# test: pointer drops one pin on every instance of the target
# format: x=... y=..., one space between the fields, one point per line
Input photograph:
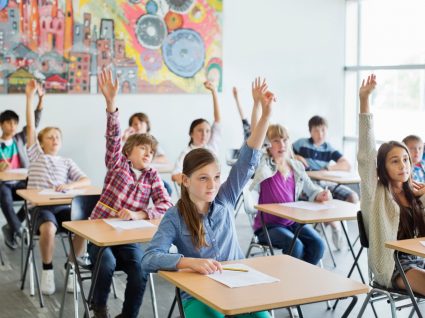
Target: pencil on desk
x=108 y=207
x=234 y=269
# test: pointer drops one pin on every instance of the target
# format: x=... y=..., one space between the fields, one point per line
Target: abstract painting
x=152 y=46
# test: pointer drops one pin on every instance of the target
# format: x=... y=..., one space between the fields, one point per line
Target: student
x=202 y=224
x=416 y=148
x=280 y=178
x=48 y=170
x=13 y=155
x=317 y=154
x=202 y=135
x=129 y=185
x=392 y=208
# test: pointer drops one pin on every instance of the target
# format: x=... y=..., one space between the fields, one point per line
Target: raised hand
x=209 y=86
x=108 y=87
x=267 y=99
x=258 y=89
x=31 y=88
x=367 y=86
x=235 y=92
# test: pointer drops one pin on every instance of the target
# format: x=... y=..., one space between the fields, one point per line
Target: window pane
x=351 y=109
x=392 y=32
x=351 y=33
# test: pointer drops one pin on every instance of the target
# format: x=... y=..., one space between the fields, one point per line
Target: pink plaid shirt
x=122 y=188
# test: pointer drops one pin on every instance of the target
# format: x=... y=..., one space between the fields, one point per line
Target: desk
x=36 y=199
x=412 y=247
x=340 y=177
x=300 y=283
x=104 y=235
x=340 y=211
x=33 y=196
x=14 y=175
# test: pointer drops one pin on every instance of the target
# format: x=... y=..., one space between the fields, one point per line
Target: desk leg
x=327 y=243
x=269 y=242
x=352 y=251
x=296 y=234
x=95 y=273
x=350 y=307
x=406 y=283
x=180 y=303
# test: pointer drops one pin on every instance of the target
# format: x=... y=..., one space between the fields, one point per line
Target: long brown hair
x=193 y=161
x=195 y=123
x=405 y=225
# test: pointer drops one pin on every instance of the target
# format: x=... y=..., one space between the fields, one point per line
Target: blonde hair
x=137 y=140
x=45 y=131
x=278 y=131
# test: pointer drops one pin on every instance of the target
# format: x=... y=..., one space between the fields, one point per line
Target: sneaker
x=101 y=311
x=338 y=238
x=71 y=278
x=48 y=282
x=9 y=237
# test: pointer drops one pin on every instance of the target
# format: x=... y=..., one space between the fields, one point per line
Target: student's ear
x=185 y=180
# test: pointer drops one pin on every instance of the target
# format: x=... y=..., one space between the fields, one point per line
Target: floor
x=17 y=303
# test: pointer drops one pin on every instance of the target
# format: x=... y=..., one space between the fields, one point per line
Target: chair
x=391 y=294
x=81 y=208
x=231 y=156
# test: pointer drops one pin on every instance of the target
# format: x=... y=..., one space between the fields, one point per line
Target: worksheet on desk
x=66 y=193
x=235 y=279
x=306 y=205
x=18 y=171
x=128 y=225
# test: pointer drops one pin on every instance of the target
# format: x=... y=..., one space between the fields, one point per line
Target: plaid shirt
x=122 y=188
x=418 y=172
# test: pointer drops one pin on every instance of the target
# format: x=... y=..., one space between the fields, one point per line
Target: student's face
x=203 y=184
x=141 y=156
x=9 y=127
x=398 y=165
x=318 y=134
x=416 y=150
x=201 y=134
x=140 y=127
x=278 y=148
x=51 y=142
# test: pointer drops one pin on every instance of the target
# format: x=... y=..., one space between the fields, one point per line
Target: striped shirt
x=317 y=157
x=48 y=171
x=123 y=188
x=9 y=153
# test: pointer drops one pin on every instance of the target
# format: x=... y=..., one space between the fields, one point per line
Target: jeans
x=127 y=258
x=7 y=196
x=308 y=247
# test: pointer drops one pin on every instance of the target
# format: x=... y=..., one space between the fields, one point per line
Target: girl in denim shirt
x=201 y=225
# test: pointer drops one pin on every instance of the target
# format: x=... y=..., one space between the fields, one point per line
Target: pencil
x=234 y=269
x=108 y=207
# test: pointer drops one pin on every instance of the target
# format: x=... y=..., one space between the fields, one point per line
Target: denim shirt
x=219 y=224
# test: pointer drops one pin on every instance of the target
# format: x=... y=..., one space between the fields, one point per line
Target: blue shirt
x=219 y=224
x=317 y=157
x=418 y=172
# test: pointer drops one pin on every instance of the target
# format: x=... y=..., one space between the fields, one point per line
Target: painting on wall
x=152 y=46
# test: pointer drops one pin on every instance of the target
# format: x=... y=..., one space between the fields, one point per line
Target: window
x=385 y=37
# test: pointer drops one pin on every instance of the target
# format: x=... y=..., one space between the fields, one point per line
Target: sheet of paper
x=67 y=193
x=311 y=206
x=235 y=279
x=19 y=171
x=422 y=242
x=341 y=174
x=128 y=225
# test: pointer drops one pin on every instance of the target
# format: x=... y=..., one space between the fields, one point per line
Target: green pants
x=193 y=308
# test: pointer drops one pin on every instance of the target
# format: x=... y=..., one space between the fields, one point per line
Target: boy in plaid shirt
x=129 y=185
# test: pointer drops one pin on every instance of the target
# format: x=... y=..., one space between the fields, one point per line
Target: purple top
x=276 y=190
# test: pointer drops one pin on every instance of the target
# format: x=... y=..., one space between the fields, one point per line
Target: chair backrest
x=364 y=241
x=83 y=205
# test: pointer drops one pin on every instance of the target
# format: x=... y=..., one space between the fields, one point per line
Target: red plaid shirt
x=122 y=188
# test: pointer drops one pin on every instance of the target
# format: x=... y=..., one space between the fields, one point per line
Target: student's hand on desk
x=4 y=166
x=63 y=187
x=128 y=215
x=323 y=196
x=302 y=160
x=204 y=266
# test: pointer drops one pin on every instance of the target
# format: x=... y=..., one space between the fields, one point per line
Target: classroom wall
x=297 y=45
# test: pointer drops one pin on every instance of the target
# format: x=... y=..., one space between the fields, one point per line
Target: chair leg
x=113 y=288
x=1 y=257
x=328 y=245
x=153 y=296
x=64 y=291
x=170 y=313
x=363 y=308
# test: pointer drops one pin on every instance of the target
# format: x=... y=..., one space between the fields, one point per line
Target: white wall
x=297 y=45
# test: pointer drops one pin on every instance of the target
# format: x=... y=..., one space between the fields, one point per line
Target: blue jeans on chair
x=7 y=196
x=127 y=258
x=308 y=247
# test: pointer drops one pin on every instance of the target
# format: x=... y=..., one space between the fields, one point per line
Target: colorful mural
x=153 y=46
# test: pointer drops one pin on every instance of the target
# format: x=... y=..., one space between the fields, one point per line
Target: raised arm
x=109 y=89
x=30 y=90
x=210 y=86
x=238 y=103
x=258 y=89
